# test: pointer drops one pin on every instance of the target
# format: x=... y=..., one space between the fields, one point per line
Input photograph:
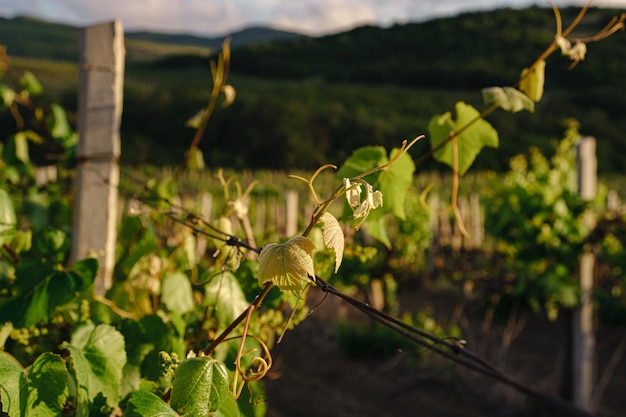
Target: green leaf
x=19 y=147
x=470 y=141
x=97 y=367
x=176 y=293
x=509 y=99
x=532 y=81
x=287 y=265
x=13 y=386
x=7 y=95
x=376 y=227
x=60 y=128
x=229 y=408
x=86 y=271
x=30 y=83
x=361 y=160
x=48 y=386
x=145 y=338
x=224 y=292
x=195 y=160
x=42 y=288
x=147 y=404
x=333 y=237
x=200 y=386
x=8 y=219
x=392 y=181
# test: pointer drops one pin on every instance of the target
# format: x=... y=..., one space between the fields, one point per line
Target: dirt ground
x=312 y=378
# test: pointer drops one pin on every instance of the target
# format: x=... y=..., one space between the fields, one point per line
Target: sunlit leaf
x=333 y=237
x=200 y=385
x=20 y=146
x=7 y=95
x=532 y=81
x=477 y=133
x=287 y=265
x=508 y=98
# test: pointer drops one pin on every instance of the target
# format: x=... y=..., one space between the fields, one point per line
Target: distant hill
x=34 y=38
x=305 y=101
x=472 y=50
x=246 y=36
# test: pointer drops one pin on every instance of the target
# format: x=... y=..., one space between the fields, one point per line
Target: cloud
x=325 y=16
x=220 y=16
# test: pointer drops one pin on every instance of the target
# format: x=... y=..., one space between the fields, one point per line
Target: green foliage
x=393 y=182
x=147 y=404
x=78 y=353
x=536 y=217
x=8 y=221
x=459 y=150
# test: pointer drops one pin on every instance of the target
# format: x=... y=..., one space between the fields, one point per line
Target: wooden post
x=291 y=221
x=583 y=337
x=98 y=150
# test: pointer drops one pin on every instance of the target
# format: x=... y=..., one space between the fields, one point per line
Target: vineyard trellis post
x=583 y=336
x=98 y=151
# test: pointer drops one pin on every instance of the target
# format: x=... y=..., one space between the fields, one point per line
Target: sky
x=220 y=17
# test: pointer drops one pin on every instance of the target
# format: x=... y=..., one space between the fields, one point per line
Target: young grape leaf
x=147 y=404
x=333 y=237
x=470 y=141
x=13 y=386
x=97 y=367
x=392 y=181
x=532 y=81
x=509 y=99
x=287 y=265
x=48 y=386
x=200 y=385
x=176 y=293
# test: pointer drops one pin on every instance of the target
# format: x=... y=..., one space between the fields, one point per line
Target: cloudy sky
x=217 y=17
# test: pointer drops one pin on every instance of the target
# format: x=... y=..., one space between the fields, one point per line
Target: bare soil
x=311 y=377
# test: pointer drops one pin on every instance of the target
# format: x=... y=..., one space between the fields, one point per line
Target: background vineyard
x=483 y=272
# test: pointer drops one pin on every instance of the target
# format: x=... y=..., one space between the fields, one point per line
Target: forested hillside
x=308 y=101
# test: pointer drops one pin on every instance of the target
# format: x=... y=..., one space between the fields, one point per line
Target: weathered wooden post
x=583 y=336
x=98 y=150
x=291 y=217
